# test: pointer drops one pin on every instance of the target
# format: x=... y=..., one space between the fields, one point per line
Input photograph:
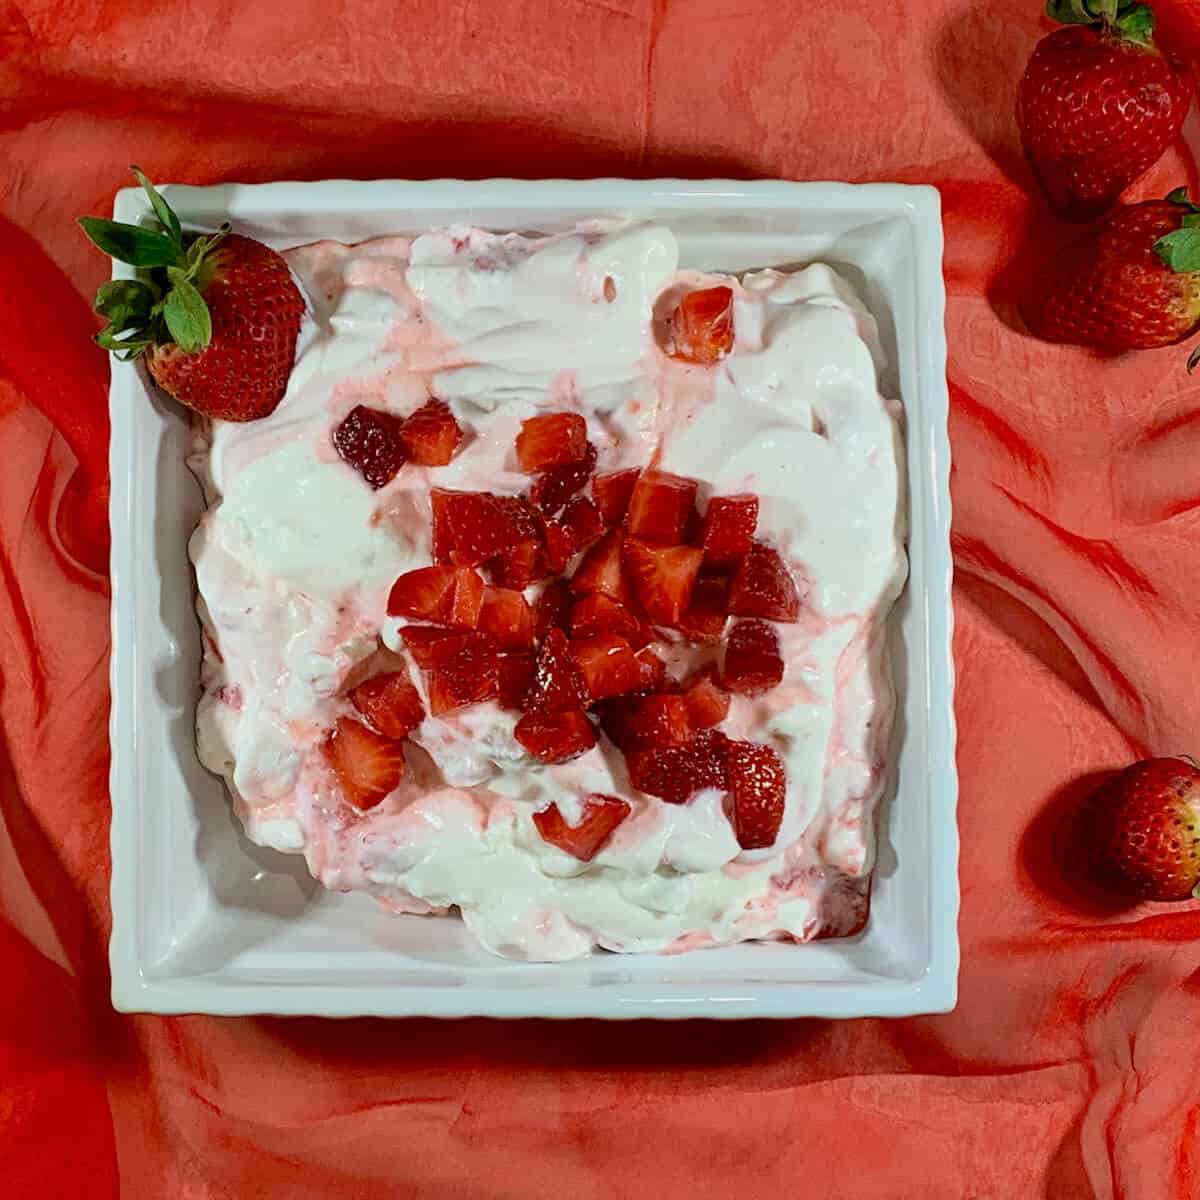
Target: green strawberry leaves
x=131 y=243
x=1129 y=19
x=162 y=210
x=186 y=314
x=1180 y=249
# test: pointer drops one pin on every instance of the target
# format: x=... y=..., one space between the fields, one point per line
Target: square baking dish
x=204 y=921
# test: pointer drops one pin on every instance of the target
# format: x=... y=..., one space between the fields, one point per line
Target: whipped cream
x=296 y=554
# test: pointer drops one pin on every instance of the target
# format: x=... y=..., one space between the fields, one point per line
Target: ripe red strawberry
x=553 y=488
x=704 y=618
x=555 y=735
x=469 y=528
x=368 y=765
x=551 y=440
x=506 y=618
x=553 y=608
x=600 y=817
x=659 y=507
x=472 y=676
x=751 y=663
x=596 y=613
x=391 y=703
x=1147 y=824
x=369 y=440
x=612 y=494
x=1132 y=284
x=516 y=674
x=1098 y=104
x=216 y=316
x=607 y=665
x=601 y=570
x=431 y=435
x=676 y=773
x=707 y=704
x=663 y=576
x=448 y=595
x=764 y=587
x=729 y=526
x=436 y=646
x=757 y=789
x=577 y=527
x=557 y=683
x=654 y=670
x=702 y=326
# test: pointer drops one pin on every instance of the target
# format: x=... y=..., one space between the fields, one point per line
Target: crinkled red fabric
x=1069 y=1068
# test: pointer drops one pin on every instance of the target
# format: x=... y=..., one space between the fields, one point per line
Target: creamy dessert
x=555 y=590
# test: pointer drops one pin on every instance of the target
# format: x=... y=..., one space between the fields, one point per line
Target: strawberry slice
x=676 y=773
x=369 y=440
x=607 y=664
x=436 y=646
x=431 y=435
x=707 y=705
x=368 y=765
x=506 y=618
x=472 y=676
x=551 y=440
x=557 y=683
x=391 y=703
x=600 y=816
x=601 y=570
x=658 y=721
x=653 y=669
x=763 y=587
x=553 y=488
x=704 y=619
x=552 y=609
x=664 y=577
x=659 y=507
x=516 y=674
x=752 y=662
x=612 y=493
x=758 y=789
x=702 y=326
x=447 y=595
x=578 y=526
x=517 y=569
x=597 y=613
x=729 y=526
x=471 y=527
x=555 y=735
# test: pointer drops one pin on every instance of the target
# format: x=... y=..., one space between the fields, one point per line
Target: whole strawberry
x=1147 y=821
x=1098 y=104
x=215 y=316
x=1133 y=284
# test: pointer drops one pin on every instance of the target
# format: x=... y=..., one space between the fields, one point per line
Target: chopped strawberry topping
x=602 y=571
x=752 y=662
x=506 y=618
x=516 y=674
x=676 y=773
x=553 y=608
x=658 y=721
x=600 y=816
x=758 y=789
x=704 y=618
x=557 y=683
x=612 y=494
x=551 y=440
x=471 y=527
x=659 y=507
x=664 y=577
x=577 y=527
x=553 y=488
x=391 y=703
x=448 y=595
x=702 y=326
x=763 y=587
x=555 y=734
x=707 y=704
x=597 y=613
x=607 y=664
x=435 y=646
x=471 y=677
x=369 y=440
x=729 y=527
x=523 y=565
x=431 y=435
x=368 y=765
x=654 y=670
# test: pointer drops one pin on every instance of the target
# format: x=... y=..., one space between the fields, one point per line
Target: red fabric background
x=1068 y=1070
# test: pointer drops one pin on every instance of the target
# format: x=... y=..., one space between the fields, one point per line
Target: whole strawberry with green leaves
x=214 y=316
x=1098 y=104
x=1132 y=284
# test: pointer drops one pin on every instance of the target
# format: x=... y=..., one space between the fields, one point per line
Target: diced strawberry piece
x=616 y=719
x=435 y=646
x=391 y=703
x=557 y=683
x=555 y=734
x=758 y=789
x=531 y=525
x=653 y=669
x=368 y=765
x=693 y=528
x=702 y=326
x=552 y=609
x=602 y=570
x=471 y=527
x=763 y=587
x=471 y=677
x=752 y=662
x=676 y=773
x=597 y=613
x=551 y=440
x=607 y=664
x=704 y=619
x=729 y=526
x=506 y=618
x=600 y=816
x=612 y=493
x=553 y=488
x=431 y=434
x=577 y=527
x=369 y=440
x=659 y=507
x=516 y=674
x=707 y=704
x=664 y=577
x=660 y=720
x=448 y=595
x=517 y=569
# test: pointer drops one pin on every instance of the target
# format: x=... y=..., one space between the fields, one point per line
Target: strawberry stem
x=1128 y=20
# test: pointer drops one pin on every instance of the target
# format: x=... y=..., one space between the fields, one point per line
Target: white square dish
x=204 y=921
